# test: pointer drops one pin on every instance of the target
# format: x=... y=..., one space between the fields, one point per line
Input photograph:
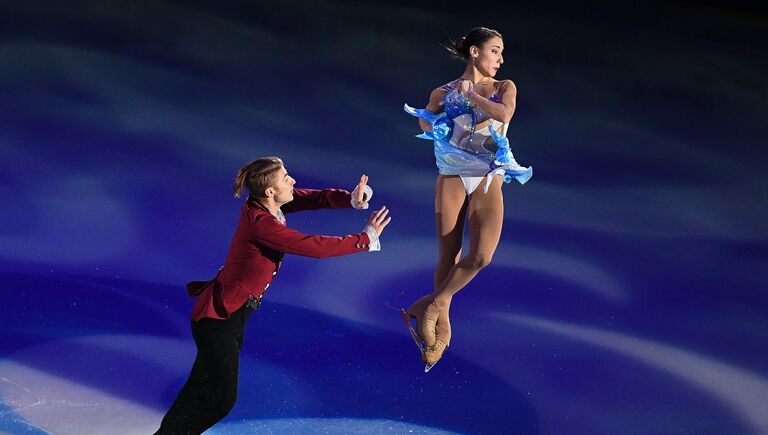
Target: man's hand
x=362 y=194
x=360 y=189
x=379 y=220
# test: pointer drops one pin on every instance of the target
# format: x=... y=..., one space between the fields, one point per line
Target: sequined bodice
x=455 y=104
x=458 y=108
x=467 y=142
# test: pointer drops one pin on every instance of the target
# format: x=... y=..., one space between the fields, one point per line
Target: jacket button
x=274 y=273
x=267 y=286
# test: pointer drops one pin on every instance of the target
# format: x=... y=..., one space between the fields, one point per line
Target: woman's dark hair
x=459 y=48
x=257 y=176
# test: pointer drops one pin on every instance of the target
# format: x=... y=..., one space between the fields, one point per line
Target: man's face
x=283 y=187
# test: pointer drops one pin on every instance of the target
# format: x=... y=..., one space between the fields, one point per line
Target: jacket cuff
x=374 y=244
x=367 y=195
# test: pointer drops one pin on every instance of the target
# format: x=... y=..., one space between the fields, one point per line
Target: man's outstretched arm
x=272 y=234
x=313 y=199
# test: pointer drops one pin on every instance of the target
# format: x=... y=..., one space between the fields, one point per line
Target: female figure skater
x=224 y=303
x=467 y=119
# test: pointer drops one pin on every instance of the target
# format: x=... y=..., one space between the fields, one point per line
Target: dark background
x=627 y=294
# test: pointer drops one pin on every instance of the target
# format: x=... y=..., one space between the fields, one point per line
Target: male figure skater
x=224 y=303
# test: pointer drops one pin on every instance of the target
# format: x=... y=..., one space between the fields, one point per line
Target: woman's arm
x=434 y=106
x=501 y=111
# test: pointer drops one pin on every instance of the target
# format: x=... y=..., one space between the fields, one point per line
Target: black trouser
x=211 y=390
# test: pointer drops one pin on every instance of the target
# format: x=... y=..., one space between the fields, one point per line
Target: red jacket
x=257 y=249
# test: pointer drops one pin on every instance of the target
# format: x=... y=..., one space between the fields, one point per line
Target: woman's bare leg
x=486 y=215
x=450 y=234
x=450 y=214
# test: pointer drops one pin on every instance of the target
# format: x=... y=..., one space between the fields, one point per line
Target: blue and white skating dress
x=461 y=149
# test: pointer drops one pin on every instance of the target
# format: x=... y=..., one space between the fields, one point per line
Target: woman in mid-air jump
x=467 y=119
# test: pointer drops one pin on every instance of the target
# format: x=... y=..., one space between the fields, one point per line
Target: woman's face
x=487 y=58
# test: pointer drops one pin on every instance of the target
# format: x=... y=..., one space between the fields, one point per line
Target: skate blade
x=428 y=367
x=416 y=339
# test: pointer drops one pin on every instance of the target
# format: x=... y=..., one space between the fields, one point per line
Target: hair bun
x=460 y=44
x=459 y=48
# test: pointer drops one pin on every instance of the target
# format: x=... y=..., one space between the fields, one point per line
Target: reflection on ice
x=745 y=393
